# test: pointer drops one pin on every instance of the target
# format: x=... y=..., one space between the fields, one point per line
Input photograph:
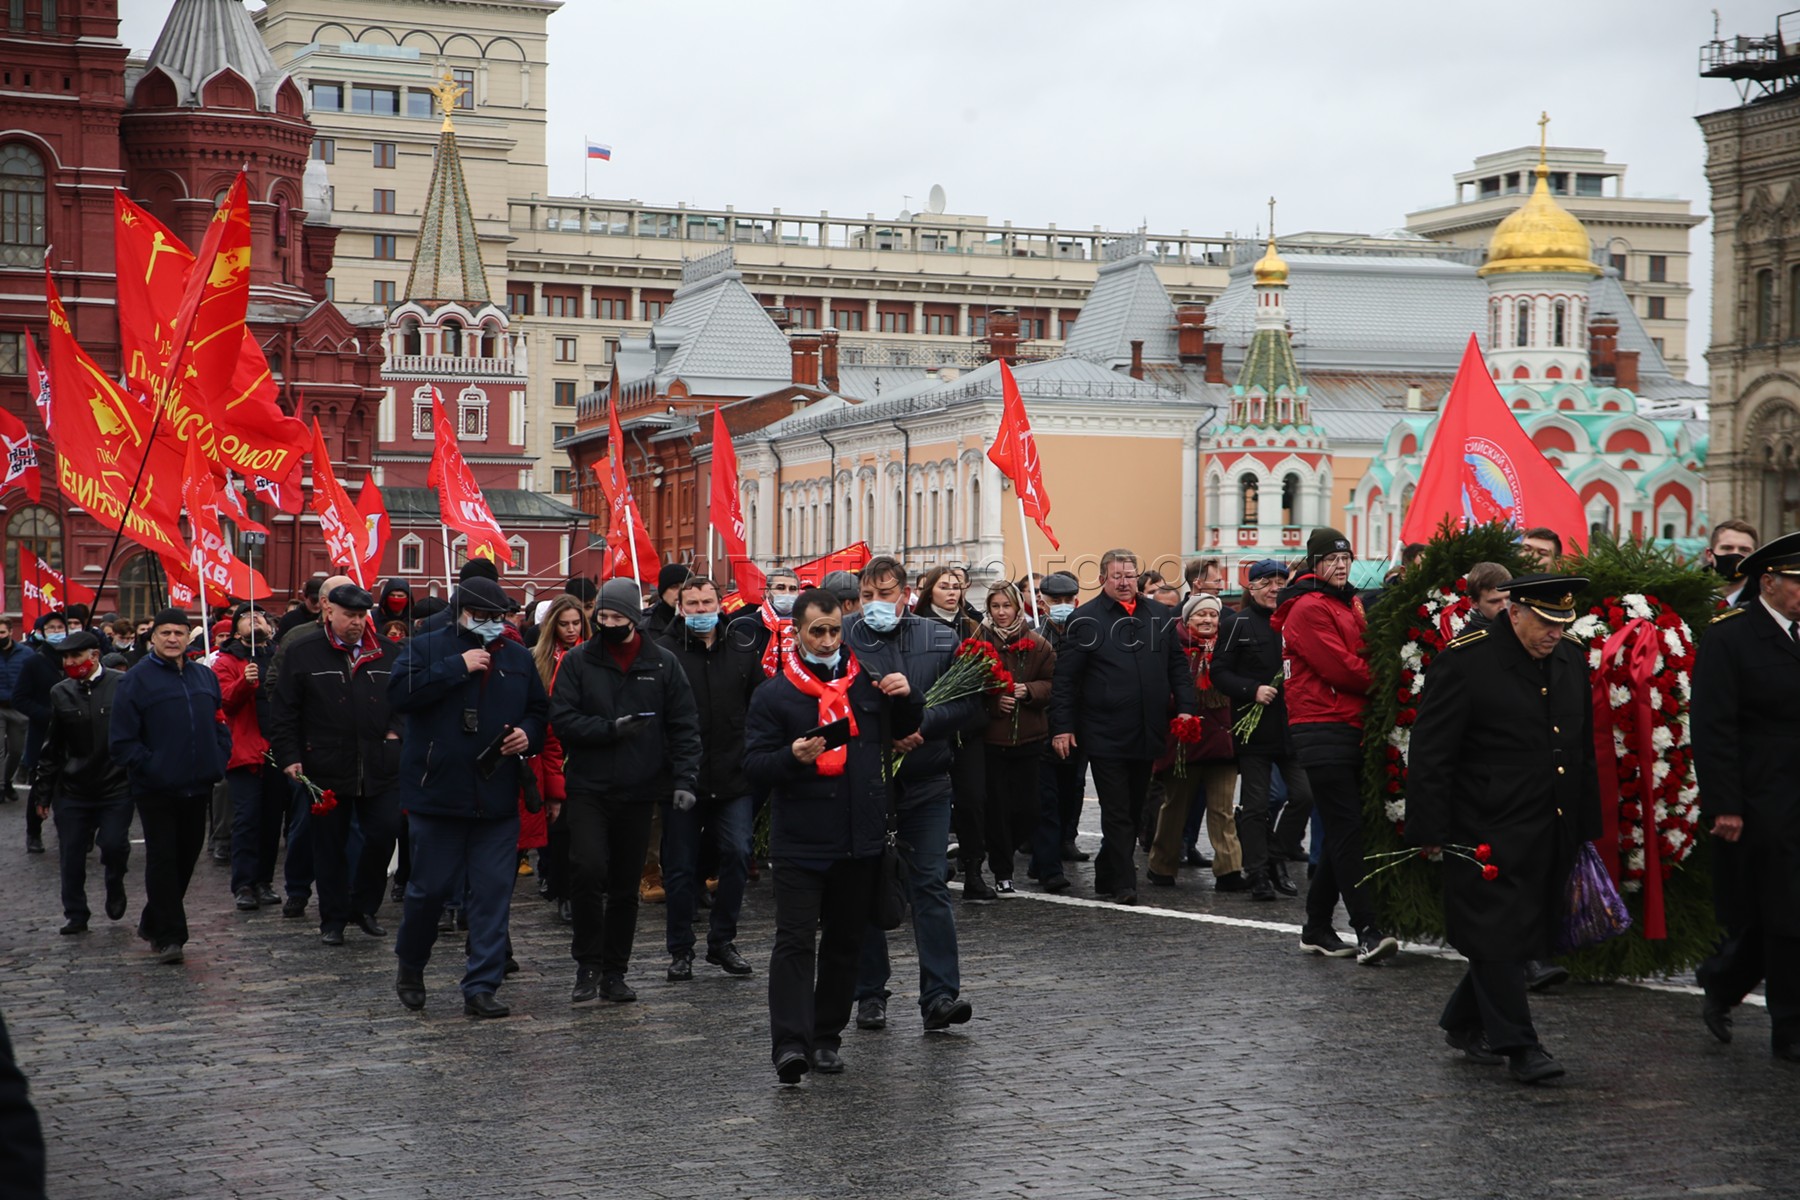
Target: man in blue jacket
x=828 y=821
x=474 y=705
x=169 y=733
x=887 y=640
x=13 y=655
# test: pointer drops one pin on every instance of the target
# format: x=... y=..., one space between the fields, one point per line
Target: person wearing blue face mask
x=723 y=672
x=1061 y=781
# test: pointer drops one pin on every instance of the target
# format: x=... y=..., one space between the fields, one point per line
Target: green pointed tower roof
x=446 y=263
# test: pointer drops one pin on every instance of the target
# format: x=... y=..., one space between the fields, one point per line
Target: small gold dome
x=1540 y=236
x=1270 y=269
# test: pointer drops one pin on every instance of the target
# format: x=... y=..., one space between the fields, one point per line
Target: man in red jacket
x=1321 y=624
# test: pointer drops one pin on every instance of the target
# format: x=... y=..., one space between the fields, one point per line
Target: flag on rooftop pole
x=1482 y=466
x=599 y=150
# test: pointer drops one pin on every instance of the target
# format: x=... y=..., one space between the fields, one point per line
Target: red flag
x=373 y=510
x=338 y=518
x=850 y=558
x=179 y=575
x=225 y=396
x=210 y=556
x=1015 y=452
x=102 y=440
x=1483 y=467
x=21 y=464
x=38 y=379
x=728 y=513
x=42 y=589
x=461 y=505
x=624 y=526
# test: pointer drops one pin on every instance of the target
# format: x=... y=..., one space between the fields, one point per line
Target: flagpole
x=1025 y=533
x=584 y=166
x=631 y=538
x=200 y=599
x=448 y=586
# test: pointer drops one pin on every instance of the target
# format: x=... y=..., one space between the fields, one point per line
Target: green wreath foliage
x=1409 y=899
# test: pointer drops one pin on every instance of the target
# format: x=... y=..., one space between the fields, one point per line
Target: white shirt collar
x=1784 y=623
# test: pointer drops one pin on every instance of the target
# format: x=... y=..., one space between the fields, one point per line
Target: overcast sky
x=1187 y=114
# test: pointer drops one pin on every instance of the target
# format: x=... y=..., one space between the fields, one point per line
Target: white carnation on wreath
x=1618 y=696
x=1661 y=739
x=1637 y=606
x=1396 y=811
x=1672 y=639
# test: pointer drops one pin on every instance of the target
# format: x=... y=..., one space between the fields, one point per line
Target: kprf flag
x=210 y=555
x=851 y=558
x=38 y=379
x=102 y=444
x=339 y=521
x=42 y=589
x=373 y=510
x=624 y=527
x=223 y=394
x=21 y=466
x=1482 y=467
x=728 y=512
x=1015 y=452
x=461 y=505
x=599 y=150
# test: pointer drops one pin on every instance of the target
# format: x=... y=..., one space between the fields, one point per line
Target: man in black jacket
x=888 y=640
x=1247 y=667
x=625 y=715
x=827 y=825
x=663 y=612
x=168 y=731
x=77 y=779
x=1116 y=671
x=330 y=721
x=723 y=672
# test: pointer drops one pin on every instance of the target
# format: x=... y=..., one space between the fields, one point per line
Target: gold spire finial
x=1271 y=220
x=1543 y=143
x=448 y=92
x=1270 y=269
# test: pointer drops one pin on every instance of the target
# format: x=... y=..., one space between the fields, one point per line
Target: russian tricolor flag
x=599 y=150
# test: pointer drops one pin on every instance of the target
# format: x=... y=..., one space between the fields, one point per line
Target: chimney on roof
x=828 y=359
x=1190 y=333
x=1625 y=374
x=804 y=345
x=1215 y=363
x=1415 y=397
x=1003 y=334
x=1603 y=349
x=1137 y=358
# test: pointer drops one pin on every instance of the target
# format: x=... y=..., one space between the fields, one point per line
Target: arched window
x=1493 y=325
x=974 y=508
x=451 y=339
x=1522 y=324
x=934 y=517
x=1777 y=445
x=21 y=207
x=1406 y=499
x=142 y=588
x=1793 y=308
x=1290 y=500
x=1247 y=500
x=1559 y=323
x=899 y=519
x=521 y=553
x=949 y=514
x=868 y=521
x=410 y=340
x=1763 y=320
x=33 y=530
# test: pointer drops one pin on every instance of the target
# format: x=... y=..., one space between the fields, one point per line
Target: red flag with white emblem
x=1015 y=452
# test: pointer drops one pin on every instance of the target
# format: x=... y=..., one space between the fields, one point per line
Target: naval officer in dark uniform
x=1746 y=730
x=1503 y=754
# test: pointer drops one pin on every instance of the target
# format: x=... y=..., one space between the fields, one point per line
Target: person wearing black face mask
x=1729 y=544
x=31 y=696
x=630 y=730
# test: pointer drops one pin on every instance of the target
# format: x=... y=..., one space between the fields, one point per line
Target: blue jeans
x=446 y=852
x=924 y=808
x=728 y=821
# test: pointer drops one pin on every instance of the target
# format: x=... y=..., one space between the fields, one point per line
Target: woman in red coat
x=563 y=628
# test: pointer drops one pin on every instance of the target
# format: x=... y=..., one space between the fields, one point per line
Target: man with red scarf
x=828 y=823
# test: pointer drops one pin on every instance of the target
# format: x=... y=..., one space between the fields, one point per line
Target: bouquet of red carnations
x=1184 y=730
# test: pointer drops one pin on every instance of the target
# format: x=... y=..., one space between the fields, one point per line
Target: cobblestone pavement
x=1149 y=1052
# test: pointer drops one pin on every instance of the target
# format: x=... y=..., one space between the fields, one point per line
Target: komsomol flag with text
x=461 y=505
x=1015 y=452
x=1482 y=467
x=42 y=589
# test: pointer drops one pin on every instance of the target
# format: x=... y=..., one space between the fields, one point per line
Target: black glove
x=630 y=725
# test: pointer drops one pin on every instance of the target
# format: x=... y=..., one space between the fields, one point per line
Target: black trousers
x=174 y=832
x=1338 y=796
x=1012 y=802
x=810 y=992
x=968 y=801
x=1255 y=834
x=1121 y=784
x=1753 y=955
x=79 y=823
x=609 y=835
x=553 y=859
x=1491 y=997
x=341 y=898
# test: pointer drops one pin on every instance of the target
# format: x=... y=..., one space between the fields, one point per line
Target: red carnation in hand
x=325 y=803
x=1490 y=872
x=1483 y=852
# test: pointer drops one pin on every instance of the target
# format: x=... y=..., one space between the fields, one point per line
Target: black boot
x=1278 y=878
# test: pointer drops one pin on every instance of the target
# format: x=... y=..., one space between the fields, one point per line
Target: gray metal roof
x=867 y=383
x=508 y=504
x=1128 y=303
x=201 y=38
x=715 y=331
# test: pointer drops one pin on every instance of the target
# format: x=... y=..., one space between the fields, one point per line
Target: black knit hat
x=170 y=616
x=1325 y=540
x=478 y=568
x=670 y=576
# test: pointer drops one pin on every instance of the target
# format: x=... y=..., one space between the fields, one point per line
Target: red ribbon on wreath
x=1641 y=639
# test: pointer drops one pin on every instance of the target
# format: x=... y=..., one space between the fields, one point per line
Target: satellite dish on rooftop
x=905 y=215
x=934 y=203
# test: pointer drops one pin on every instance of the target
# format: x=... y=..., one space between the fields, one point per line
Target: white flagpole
x=631 y=536
x=200 y=597
x=1025 y=533
x=448 y=586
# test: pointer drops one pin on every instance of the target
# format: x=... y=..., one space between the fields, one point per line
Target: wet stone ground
x=1158 y=1052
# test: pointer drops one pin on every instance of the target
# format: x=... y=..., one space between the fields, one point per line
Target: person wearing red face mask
x=77 y=779
x=393 y=603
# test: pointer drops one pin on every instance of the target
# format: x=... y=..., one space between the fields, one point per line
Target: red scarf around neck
x=781 y=640
x=834 y=704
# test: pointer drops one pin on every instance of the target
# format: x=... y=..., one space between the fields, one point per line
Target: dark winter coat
x=334 y=720
x=1034 y=665
x=813 y=816
x=1502 y=753
x=723 y=676
x=1115 y=674
x=76 y=761
x=12 y=661
x=921 y=650
x=1215 y=744
x=1746 y=730
x=31 y=693
x=433 y=689
x=1249 y=657
x=168 y=728
x=646 y=763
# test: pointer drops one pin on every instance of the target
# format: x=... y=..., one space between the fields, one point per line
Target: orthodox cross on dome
x=448 y=92
x=1271 y=218
x=1543 y=140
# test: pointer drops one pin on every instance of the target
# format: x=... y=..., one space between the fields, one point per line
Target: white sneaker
x=1005 y=887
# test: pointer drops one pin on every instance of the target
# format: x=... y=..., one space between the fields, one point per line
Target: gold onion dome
x=1540 y=236
x=1270 y=268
